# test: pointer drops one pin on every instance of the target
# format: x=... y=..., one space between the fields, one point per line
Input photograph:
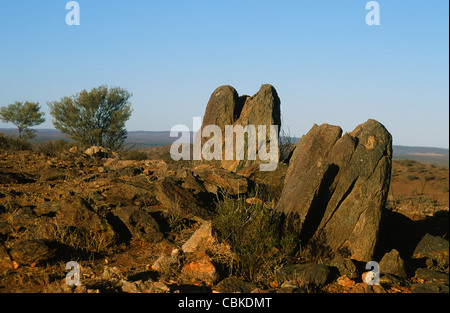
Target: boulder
x=97 y=151
x=435 y=248
x=216 y=179
x=32 y=252
x=200 y=269
x=181 y=201
x=392 y=263
x=345 y=267
x=93 y=231
x=138 y=224
x=305 y=275
x=336 y=187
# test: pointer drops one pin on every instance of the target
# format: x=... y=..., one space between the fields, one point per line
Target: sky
x=326 y=63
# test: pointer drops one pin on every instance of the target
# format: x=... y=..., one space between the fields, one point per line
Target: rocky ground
x=145 y=226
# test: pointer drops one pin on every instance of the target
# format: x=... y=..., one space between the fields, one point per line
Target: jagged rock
x=180 y=201
x=336 y=188
x=90 y=227
x=97 y=151
x=218 y=179
x=138 y=224
x=200 y=240
x=392 y=263
x=345 y=267
x=435 y=248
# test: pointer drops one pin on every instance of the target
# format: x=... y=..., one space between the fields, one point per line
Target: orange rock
x=201 y=269
x=345 y=281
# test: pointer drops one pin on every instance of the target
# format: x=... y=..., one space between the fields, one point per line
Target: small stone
x=201 y=269
x=161 y=286
x=345 y=281
x=73 y=149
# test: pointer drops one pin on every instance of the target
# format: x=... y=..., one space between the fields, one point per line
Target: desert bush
x=53 y=147
x=254 y=235
x=13 y=144
x=136 y=155
x=94 y=118
x=412 y=177
x=24 y=115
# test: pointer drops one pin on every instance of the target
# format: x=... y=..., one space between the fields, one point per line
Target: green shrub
x=254 y=235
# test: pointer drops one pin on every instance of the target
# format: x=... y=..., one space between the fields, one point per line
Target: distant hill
x=146 y=139
x=427 y=155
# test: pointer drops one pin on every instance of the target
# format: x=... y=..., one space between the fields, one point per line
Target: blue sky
x=326 y=63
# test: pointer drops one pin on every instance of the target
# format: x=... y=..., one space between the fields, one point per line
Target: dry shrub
x=255 y=237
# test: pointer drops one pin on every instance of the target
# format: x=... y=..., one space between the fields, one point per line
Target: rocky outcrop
x=226 y=107
x=336 y=187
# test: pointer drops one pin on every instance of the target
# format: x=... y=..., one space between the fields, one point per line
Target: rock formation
x=226 y=107
x=336 y=187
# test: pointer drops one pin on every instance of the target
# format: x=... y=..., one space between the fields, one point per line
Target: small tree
x=96 y=117
x=24 y=115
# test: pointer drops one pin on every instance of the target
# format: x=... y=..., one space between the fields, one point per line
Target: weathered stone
x=433 y=247
x=32 y=252
x=91 y=227
x=235 y=285
x=220 y=180
x=201 y=269
x=226 y=107
x=181 y=201
x=97 y=151
x=428 y=275
x=200 y=240
x=305 y=275
x=430 y=288
x=138 y=222
x=345 y=267
x=392 y=263
x=336 y=188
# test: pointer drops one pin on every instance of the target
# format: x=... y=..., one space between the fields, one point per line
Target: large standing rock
x=226 y=107
x=336 y=187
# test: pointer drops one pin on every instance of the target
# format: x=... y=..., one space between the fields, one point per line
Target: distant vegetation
x=95 y=118
x=24 y=115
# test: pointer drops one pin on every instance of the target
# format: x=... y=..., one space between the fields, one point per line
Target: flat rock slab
x=305 y=275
